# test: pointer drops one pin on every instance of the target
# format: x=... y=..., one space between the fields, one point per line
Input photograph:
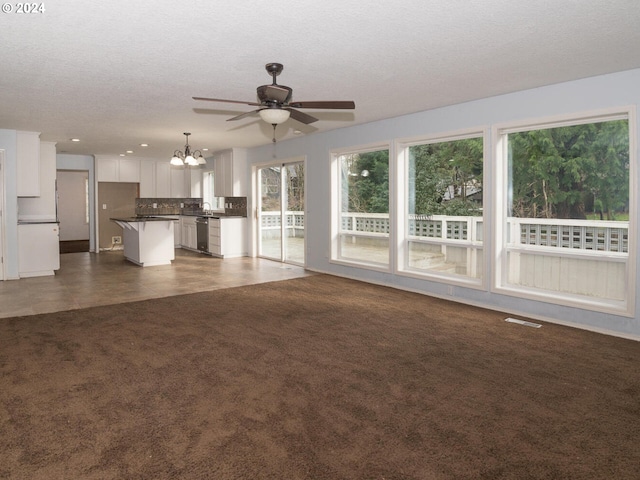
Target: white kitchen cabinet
x=177 y=175
x=39 y=249
x=155 y=179
x=189 y=232
x=129 y=170
x=42 y=207
x=229 y=175
x=115 y=169
x=228 y=237
x=195 y=185
x=163 y=180
x=147 y=178
x=28 y=168
x=177 y=234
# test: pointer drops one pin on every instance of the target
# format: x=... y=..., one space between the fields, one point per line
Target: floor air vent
x=522 y=322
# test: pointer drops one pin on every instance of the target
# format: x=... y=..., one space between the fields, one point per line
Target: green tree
x=557 y=172
x=366 y=182
x=443 y=176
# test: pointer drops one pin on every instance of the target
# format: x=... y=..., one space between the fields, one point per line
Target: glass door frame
x=257 y=235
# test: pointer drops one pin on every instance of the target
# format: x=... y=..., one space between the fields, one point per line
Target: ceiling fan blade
x=301 y=117
x=277 y=93
x=324 y=104
x=243 y=115
x=226 y=101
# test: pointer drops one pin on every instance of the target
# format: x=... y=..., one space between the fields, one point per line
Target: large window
x=564 y=207
x=443 y=213
x=363 y=198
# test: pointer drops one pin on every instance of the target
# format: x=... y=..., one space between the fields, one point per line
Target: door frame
x=256 y=204
x=3 y=216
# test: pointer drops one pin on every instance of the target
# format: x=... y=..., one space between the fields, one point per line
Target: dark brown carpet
x=313 y=378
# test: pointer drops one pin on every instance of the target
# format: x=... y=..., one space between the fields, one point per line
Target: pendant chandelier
x=188 y=158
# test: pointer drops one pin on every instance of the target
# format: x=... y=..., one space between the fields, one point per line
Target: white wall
x=607 y=91
x=8 y=144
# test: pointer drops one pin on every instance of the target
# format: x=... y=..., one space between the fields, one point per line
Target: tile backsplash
x=233 y=206
x=168 y=206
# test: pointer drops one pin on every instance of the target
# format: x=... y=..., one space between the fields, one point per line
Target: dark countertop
x=37 y=222
x=145 y=218
x=206 y=215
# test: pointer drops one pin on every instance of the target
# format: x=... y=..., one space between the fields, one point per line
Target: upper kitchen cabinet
x=115 y=169
x=28 y=156
x=42 y=207
x=230 y=172
x=178 y=182
x=155 y=179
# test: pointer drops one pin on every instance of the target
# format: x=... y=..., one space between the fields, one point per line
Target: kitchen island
x=147 y=240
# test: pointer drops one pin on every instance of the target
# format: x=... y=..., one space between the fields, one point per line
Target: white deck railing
x=585 y=235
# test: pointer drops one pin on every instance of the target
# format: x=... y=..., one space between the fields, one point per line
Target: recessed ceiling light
x=122 y=155
x=297 y=132
x=129 y=151
x=144 y=144
x=75 y=139
x=205 y=149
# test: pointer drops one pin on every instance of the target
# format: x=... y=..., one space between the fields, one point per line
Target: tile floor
x=89 y=279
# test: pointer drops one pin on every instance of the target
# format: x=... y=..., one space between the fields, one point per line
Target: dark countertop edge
x=212 y=215
x=208 y=215
x=144 y=219
x=37 y=222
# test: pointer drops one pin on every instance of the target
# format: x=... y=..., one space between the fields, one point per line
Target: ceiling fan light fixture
x=274 y=116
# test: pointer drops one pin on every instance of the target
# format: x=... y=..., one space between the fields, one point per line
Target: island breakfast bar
x=147 y=240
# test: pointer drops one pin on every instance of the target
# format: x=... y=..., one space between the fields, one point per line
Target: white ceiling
x=120 y=73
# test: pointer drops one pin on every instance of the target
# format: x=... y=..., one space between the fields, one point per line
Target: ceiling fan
x=275 y=105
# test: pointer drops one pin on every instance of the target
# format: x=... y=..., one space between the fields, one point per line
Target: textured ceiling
x=120 y=73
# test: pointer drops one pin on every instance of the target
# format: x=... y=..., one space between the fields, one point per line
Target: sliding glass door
x=281 y=223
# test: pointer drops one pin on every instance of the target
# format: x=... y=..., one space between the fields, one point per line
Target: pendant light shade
x=187 y=158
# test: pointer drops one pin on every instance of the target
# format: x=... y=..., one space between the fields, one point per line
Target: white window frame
x=402 y=148
x=499 y=201
x=336 y=203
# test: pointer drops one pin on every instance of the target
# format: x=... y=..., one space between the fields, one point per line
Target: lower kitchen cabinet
x=177 y=234
x=228 y=237
x=39 y=249
x=189 y=233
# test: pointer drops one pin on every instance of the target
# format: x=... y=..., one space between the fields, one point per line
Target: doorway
x=73 y=210
x=281 y=232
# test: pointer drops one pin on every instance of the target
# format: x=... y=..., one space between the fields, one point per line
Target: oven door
x=202 y=232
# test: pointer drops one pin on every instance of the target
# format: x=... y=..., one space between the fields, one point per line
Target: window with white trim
x=563 y=207
x=363 y=207
x=443 y=207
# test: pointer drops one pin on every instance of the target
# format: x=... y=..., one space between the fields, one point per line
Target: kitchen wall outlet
x=104 y=206
x=117 y=240
x=155 y=205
